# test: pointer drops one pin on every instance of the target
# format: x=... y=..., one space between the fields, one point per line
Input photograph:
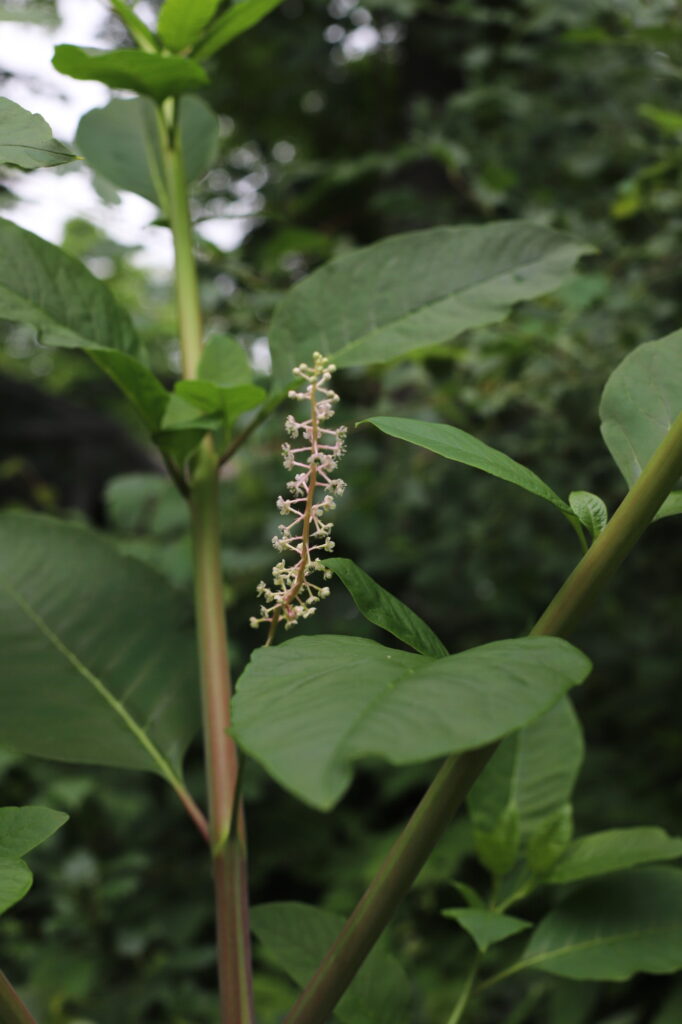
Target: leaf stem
x=456 y=776
x=228 y=845
x=12 y=1009
x=465 y=994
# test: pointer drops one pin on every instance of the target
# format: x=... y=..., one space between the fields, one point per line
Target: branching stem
x=228 y=844
x=452 y=783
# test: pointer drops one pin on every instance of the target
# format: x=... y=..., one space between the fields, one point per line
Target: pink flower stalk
x=311 y=495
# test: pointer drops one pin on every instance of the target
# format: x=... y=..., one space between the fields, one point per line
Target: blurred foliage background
x=343 y=122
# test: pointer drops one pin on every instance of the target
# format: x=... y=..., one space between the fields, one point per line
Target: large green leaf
x=151 y=74
x=296 y=936
x=641 y=400
x=99 y=663
x=308 y=708
x=181 y=23
x=615 y=849
x=237 y=19
x=15 y=882
x=42 y=286
x=23 y=828
x=121 y=142
x=453 y=443
x=415 y=290
x=533 y=773
x=384 y=610
x=486 y=927
x=613 y=928
x=26 y=139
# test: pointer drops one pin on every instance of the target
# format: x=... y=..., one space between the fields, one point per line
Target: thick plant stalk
x=227 y=832
x=12 y=1009
x=457 y=775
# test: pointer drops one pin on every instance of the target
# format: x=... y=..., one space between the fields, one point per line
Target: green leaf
x=121 y=142
x=137 y=28
x=672 y=506
x=669 y=121
x=224 y=362
x=533 y=771
x=226 y=403
x=151 y=74
x=455 y=444
x=295 y=937
x=641 y=400
x=181 y=23
x=99 y=663
x=385 y=610
x=549 y=841
x=42 y=286
x=237 y=19
x=26 y=139
x=310 y=707
x=612 y=928
x=498 y=848
x=23 y=828
x=415 y=290
x=15 y=882
x=140 y=386
x=469 y=894
x=614 y=850
x=590 y=510
x=486 y=927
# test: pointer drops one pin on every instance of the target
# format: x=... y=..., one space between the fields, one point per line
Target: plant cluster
x=108 y=666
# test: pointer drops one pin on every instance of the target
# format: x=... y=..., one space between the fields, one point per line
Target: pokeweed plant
x=105 y=664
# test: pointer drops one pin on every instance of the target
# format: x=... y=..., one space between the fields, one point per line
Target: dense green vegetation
x=459 y=112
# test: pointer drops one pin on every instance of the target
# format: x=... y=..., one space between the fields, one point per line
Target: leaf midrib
x=97 y=684
x=578 y=947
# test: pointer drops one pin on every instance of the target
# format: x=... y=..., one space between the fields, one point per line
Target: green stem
x=12 y=1009
x=456 y=776
x=228 y=846
x=465 y=995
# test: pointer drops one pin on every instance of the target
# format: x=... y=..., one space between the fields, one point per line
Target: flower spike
x=311 y=496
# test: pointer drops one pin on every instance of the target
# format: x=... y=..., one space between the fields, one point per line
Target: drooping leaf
x=42 y=286
x=23 y=828
x=137 y=28
x=121 y=142
x=310 y=707
x=549 y=841
x=181 y=23
x=238 y=18
x=453 y=443
x=151 y=74
x=296 y=936
x=26 y=139
x=615 y=849
x=15 y=882
x=99 y=662
x=534 y=771
x=384 y=610
x=641 y=400
x=590 y=510
x=486 y=927
x=612 y=928
x=224 y=362
x=415 y=290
